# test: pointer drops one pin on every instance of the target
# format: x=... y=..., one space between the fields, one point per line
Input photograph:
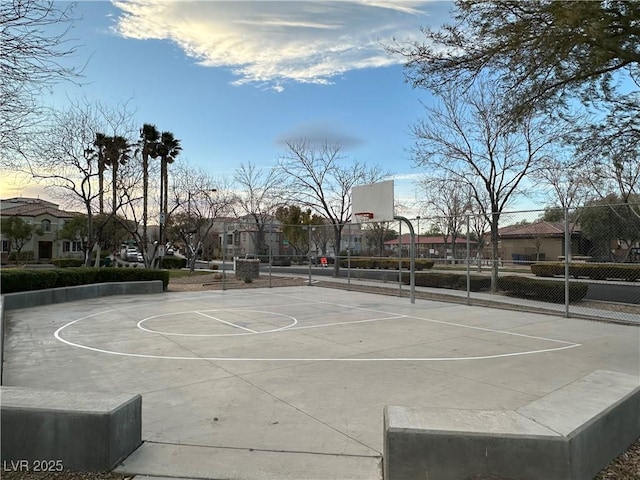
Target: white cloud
x=277 y=42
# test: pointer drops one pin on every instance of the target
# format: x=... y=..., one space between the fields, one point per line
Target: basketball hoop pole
x=412 y=258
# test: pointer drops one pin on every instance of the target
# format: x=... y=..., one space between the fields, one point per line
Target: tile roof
x=543 y=228
x=35 y=210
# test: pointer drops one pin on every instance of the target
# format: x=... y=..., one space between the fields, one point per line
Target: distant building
x=50 y=219
x=429 y=246
x=538 y=241
x=241 y=236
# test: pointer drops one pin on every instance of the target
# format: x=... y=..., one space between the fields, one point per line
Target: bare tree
x=34 y=46
x=68 y=164
x=375 y=234
x=258 y=196
x=200 y=199
x=447 y=201
x=465 y=138
x=321 y=177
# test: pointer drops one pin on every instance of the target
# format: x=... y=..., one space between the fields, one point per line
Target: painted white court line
x=141 y=323
x=568 y=345
x=443 y=322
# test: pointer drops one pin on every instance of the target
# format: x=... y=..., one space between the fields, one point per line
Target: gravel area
x=625 y=467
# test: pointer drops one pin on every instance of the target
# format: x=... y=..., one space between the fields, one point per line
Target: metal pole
x=349 y=257
x=468 y=264
x=309 y=252
x=567 y=254
x=270 y=248
x=418 y=235
x=224 y=255
x=399 y=255
x=412 y=260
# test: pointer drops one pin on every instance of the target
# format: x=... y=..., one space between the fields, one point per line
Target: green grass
x=187 y=273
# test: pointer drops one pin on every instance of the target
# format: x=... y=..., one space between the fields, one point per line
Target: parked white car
x=131 y=255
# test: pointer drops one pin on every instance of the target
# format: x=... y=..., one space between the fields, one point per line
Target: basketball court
x=272 y=383
x=291 y=382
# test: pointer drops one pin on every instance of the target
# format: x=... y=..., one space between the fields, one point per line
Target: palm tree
x=100 y=143
x=149 y=138
x=168 y=149
x=117 y=152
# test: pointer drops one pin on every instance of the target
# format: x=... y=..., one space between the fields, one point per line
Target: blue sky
x=232 y=80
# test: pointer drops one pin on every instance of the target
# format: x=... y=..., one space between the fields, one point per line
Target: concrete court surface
x=290 y=383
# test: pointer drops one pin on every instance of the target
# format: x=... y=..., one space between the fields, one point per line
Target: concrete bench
x=571 y=433
x=86 y=431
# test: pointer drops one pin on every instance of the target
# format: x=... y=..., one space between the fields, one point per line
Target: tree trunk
x=145 y=206
x=495 y=237
x=337 y=236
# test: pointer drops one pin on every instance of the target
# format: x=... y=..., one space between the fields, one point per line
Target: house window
x=5 y=245
x=46 y=225
x=71 y=246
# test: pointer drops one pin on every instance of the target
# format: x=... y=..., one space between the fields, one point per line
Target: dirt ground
x=214 y=281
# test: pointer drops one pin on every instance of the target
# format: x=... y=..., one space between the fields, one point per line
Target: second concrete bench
x=569 y=434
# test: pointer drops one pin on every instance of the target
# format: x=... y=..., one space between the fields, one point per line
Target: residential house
x=50 y=219
x=535 y=242
x=240 y=236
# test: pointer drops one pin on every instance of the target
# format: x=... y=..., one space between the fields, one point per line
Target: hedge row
x=454 y=281
x=385 y=263
x=545 y=290
x=67 y=262
x=173 y=262
x=22 y=280
x=595 y=271
x=523 y=287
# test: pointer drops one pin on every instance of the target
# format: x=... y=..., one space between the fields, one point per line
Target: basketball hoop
x=363 y=216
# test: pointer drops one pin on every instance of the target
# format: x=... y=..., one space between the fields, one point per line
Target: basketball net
x=363 y=217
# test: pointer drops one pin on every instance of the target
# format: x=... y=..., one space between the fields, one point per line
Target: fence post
x=349 y=256
x=399 y=258
x=224 y=255
x=468 y=264
x=270 y=243
x=309 y=253
x=567 y=254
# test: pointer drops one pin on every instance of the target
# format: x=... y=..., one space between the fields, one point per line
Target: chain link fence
x=574 y=262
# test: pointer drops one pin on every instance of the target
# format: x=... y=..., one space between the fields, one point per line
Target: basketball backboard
x=374 y=198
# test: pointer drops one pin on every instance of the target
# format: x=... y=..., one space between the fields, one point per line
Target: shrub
x=173 y=262
x=545 y=290
x=19 y=280
x=24 y=256
x=385 y=263
x=22 y=280
x=67 y=262
x=76 y=276
x=594 y=271
x=454 y=281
